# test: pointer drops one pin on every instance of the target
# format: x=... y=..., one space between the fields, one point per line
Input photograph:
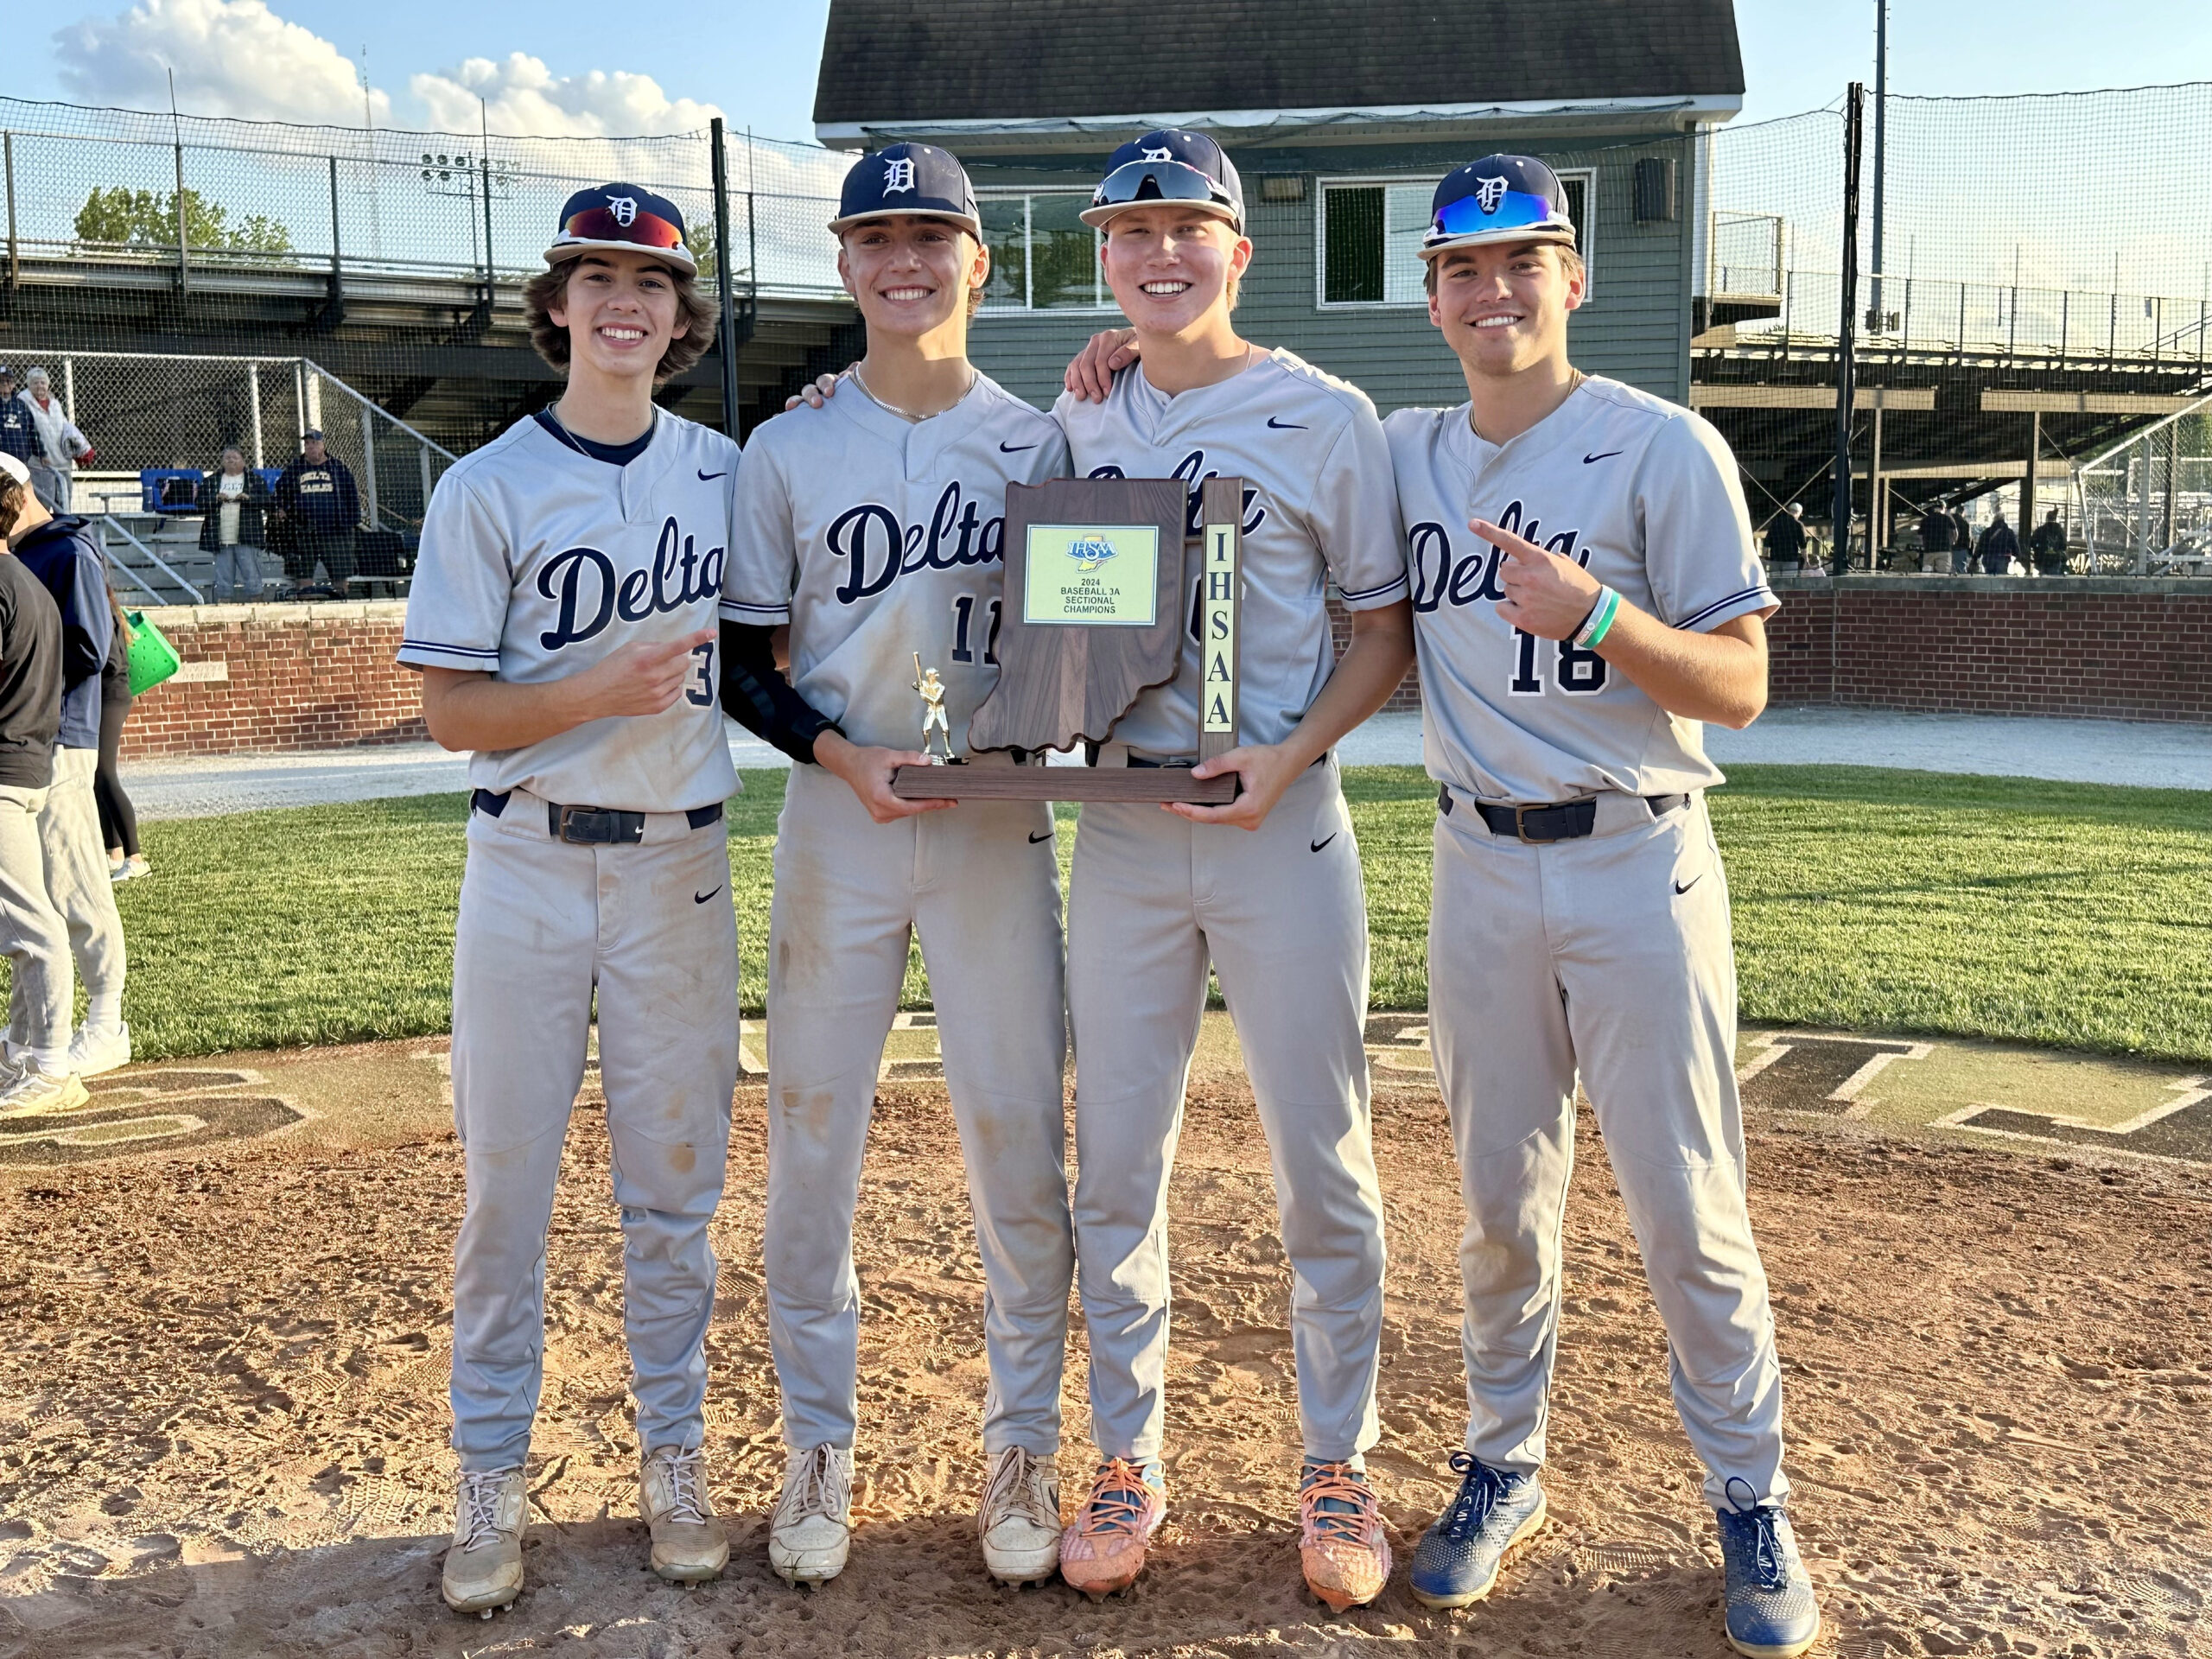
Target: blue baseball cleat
x=1771 y=1611
x=1457 y=1559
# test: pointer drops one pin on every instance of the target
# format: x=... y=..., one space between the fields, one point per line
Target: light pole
x=1881 y=122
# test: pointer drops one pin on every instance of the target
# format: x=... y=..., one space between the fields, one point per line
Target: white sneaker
x=689 y=1546
x=93 y=1052
x=812 y=1529
x=484 y=1566
x=30 y=1090
x=1020 y=1517
x=132 y=868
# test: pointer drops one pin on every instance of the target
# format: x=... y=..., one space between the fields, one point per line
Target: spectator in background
x=18 y=431
x=61 y=553
x=320 y=508
x=118 y=817
x=1785 y=536
x=1935 y=534
x=34 y=1069
x=1962 y=543
x=2048 y=545
x=234 y=501
x=62 y=447
x=1998 y=548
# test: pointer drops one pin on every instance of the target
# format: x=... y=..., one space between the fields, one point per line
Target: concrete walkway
x=2142 y=753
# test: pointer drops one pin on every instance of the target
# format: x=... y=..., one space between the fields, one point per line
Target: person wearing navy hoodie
x=61 y=551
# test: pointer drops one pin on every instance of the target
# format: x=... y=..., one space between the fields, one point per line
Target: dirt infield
x=226 y=1331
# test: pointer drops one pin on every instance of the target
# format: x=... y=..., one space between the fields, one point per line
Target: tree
x=147 y=218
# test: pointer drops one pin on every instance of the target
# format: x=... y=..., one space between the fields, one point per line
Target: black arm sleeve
x=758 y=697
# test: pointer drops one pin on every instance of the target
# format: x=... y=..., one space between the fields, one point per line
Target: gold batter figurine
x=934 y=718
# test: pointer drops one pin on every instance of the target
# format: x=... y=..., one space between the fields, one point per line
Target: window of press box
x=1371 y=231
x=1043 y=256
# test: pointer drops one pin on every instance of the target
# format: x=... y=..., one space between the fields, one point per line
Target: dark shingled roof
x=885 y=61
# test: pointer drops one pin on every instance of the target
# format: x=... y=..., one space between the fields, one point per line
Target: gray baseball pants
x=1281 y=914
x=33 y=938
x=78 y=881
x=1610 y=956
x=544 y=925
x=980 y=885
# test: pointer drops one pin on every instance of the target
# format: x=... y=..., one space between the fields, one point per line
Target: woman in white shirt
x=234 y=503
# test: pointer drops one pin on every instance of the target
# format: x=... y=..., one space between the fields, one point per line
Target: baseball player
x=872 y=526
x=562 y=619
x=1586 y=592
x=1267 y=890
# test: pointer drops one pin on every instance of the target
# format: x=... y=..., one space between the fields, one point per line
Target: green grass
x=2053 y=913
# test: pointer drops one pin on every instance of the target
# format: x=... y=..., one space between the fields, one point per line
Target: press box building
x=1341 y=119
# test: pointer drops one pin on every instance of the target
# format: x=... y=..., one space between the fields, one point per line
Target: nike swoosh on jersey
x=701 y=897
x=1315 y=847
x=1286 y=426
x=1681 y=887
x=708 y=478
x=1605 y=455
x=1006 y=448
x=1033 y=840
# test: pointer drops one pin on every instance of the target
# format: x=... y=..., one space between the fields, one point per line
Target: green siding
x=1636 y=328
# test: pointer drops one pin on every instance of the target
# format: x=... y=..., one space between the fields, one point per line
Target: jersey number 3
x=699 y=686
x=1578 y=673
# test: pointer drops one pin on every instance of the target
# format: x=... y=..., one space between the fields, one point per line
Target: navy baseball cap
x=908 y=179
x=1498 y=199
x=622 y=216
x=1170 y=164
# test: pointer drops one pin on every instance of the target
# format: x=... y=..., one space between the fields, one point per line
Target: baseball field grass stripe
x=2064 y=914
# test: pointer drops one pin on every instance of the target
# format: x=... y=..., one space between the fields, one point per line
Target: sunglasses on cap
x=643 y=230
x=1134 y=182
x=1515 y=210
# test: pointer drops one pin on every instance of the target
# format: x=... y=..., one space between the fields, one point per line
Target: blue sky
x=755 y=62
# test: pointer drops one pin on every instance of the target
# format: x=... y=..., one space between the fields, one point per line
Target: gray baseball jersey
x=1644 y=494
x=538 y=562
x=875 y=537
x=1318 y=505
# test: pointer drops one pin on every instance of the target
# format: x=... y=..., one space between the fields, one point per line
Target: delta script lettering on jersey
x=878 y=550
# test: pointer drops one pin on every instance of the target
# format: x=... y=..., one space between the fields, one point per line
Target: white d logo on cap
x=1160 y=155
x=1489 y=193
x=624 y=209
x=899 y=174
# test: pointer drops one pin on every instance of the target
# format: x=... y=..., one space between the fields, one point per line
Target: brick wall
x=277 y=677
x=2109 y=649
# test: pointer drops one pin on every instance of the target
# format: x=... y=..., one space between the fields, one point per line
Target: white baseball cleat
x=1020 y=1517
x=484 y=1566
x=93 y=1052
x=811 y=1531
x=30 y=1090
x=689 y=1546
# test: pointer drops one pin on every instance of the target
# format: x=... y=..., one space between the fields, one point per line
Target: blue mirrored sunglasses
x=1515 y=210
x=1142 y=181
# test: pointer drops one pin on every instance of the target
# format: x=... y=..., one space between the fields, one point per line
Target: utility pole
x=719 y=171
x=1854 y=115
x=1881 y=172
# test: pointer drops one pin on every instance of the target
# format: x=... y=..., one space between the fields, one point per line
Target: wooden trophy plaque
x=1097 y=575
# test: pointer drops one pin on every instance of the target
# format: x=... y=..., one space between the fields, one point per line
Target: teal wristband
x=1594 y=626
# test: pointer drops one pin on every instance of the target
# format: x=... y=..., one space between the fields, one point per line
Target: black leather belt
x=1542 y=824
x=591 y=826
x=1091 y=752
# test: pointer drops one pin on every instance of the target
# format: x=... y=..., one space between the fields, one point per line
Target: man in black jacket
x=1998 y=548
x=34 y=1071
x=2048 y=545
x=318 y=508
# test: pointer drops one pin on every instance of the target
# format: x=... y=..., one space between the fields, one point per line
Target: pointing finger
x=1505 y=540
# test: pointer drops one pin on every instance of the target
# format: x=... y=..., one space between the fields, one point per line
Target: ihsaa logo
x=1091 y=550
x=624 y=209
x=1489 y=193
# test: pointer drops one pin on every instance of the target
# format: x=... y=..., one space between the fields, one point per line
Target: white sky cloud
x=232 y=57
x=524 y=97
x=238 y=58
